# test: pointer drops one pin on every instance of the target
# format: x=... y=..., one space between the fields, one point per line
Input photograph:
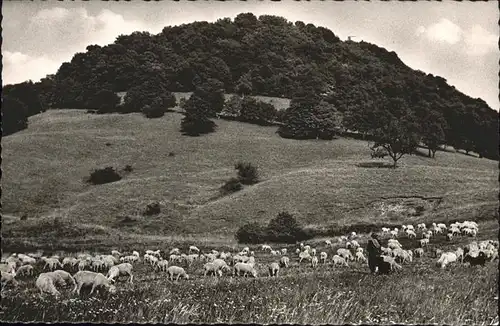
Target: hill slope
x=44 y=167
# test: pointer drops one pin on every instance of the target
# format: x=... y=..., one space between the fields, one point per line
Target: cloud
x=56 y=34
x=442 y=31
x=19 y=67
x=479 y=41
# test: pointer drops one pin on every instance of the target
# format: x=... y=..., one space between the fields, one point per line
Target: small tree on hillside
x=285 y=228
x=103 y=100
x=232 y=106
x=203 y=104
x=432 y=131
x=244 y=85
x=247 y=173
x=150 y=93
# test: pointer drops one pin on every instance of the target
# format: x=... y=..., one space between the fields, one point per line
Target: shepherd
x=374 y=251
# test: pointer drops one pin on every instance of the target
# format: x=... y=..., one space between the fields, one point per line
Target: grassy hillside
x=324 y=182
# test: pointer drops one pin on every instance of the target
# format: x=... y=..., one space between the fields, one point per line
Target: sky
x=455 y=40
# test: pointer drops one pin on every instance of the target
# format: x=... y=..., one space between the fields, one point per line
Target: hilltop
x=323 y=182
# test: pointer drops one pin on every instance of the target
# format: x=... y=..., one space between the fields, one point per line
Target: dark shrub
x=419 y=210
x=128 y=168
x=152 y=209
x=102 y=176
x=285 y=228
x=104 y=100
x=250 y=233
x=231 y=185
x=258 y=112
x=171 y=154
x=247 y=173
x=24 y=217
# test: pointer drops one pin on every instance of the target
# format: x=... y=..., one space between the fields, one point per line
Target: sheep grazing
x=323 y=256
x=460 y=254
x=88 y=278
x=122 y=269
x=438 y=252
x=284 y=261
x=304 y=255
x=394 y=233
x=8 y=278
x=162 y=265
x=423 y=242
x=328 y=242
x=442 y=226
x=401 y=255
x=353 y=235
x=314 y=261
x=339 y=260
x=135 y=253
x=388 y=264
x=176 y=271
x=82 y=264
x=449 y=236
x=25 y=270
x=52 y=263
x=410 y=227
x=193 y=249
x=360 y=250
x=274 y=252
x=355 y=244
x=46 y=284
x=480 y=259
x=175 y=251
x=446 y=258
x=386 y=230
x=313 y=251
x=130 y=259
x=345 y=253
x=274 y=269
x=419 y=252
x=297 y=251
x=8 y=267
x=71 y=261
x=360 y=256
x=245 y=269
x=283 y=251
x=265 y=247
x=411 y=234
x=211 y=268
x=115 y=253
x=27 y=260
x=421 y=226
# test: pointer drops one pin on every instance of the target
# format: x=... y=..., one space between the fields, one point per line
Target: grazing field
x=327 y=184
x=420 y=293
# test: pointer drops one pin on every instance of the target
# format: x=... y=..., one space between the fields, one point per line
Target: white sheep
x=394 y=233
x=274 y=269
x=115 y=253
x=313 y=251
x=360 y=256
x=411 y=234
x=385 y=230
x=352 y=235
x=175 y=251
x=121 y=269
x=245 y=268
x=135 y=253
x=25 y=269
x=446 y=258
x=274 y=252
x=222 y=265
x=88 y=278
x=401 y=255
x=323 y=256
x=297 y=251
x=328 y=242
x=52 y=263
x=421 y=226
x=449 y=236
x=393 y=265
x=284 y=261
x=46 y=283
x=419 y=252
x=355 y=244
x=27 y=260
x=177 y=271
x=345 y=253
x=193 y=248
x=8 y=267
x=423 y=242
x=265 y=247
x=339 y=260
x=211 y=268
x=314 y=261
x=460 y=254
x=283 y=251
x=71 y=261
x=410 y=227
x=162 y=265
x=360 y=250
x=304 y=255
x=442 y=226
x=8 y=278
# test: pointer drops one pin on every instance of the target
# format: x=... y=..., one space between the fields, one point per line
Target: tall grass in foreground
x=421 y=295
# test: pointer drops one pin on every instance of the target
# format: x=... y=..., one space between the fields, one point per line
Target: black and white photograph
x=250 y=162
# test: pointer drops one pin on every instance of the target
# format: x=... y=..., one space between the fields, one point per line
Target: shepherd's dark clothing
x=374 y=251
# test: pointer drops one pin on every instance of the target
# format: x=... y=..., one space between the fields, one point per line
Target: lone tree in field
x=432 y=130
x=206 y=101
x=397 y=135
x=247 y=173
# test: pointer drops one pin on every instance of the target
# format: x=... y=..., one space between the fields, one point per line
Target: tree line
x=333 y=85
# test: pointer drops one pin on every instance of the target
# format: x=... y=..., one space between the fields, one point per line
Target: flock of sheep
x=102 y=271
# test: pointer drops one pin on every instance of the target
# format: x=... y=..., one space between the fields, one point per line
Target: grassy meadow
x=328 y=185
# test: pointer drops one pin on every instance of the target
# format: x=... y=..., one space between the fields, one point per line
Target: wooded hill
x=369 y=86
